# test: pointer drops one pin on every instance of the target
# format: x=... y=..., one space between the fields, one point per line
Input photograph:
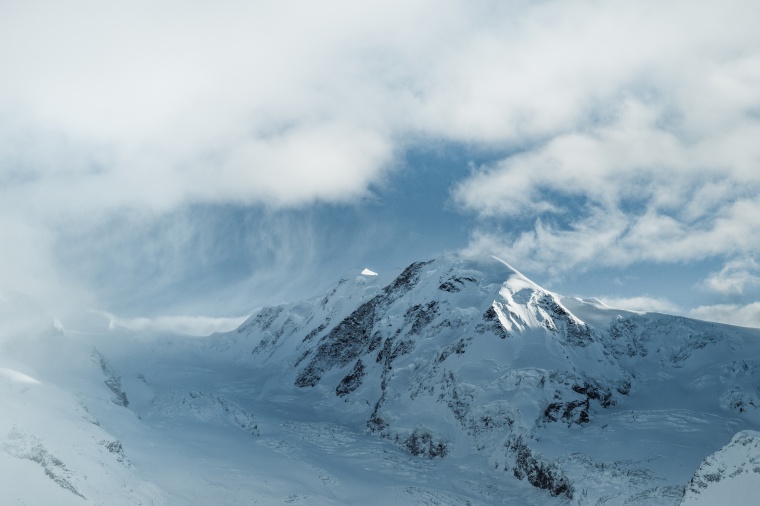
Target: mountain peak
x=517 y=281
x=457 y=359
x=460 y=351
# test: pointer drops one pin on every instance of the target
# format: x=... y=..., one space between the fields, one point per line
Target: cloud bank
x=654 y=304
x=626 y=131
x=656 y=164
x=160 y=103
x=735 y=314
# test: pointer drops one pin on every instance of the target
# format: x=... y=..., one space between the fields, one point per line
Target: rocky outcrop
x=26 y=446
x=112 y=381
x=536 y=470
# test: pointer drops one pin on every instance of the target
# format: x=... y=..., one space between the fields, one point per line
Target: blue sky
x=179 y=164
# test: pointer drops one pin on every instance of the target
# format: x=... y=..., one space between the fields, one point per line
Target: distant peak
x=367 y=272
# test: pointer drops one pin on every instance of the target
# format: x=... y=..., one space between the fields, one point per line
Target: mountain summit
x=458 y=356
x=453 y=381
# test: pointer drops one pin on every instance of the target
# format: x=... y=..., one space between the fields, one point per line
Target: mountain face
x=454 y=382
x=588 y=403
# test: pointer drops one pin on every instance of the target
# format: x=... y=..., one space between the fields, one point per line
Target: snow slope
x=729 y=476
x=453 y=382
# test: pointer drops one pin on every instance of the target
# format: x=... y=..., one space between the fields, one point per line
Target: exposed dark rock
x=491 y=323
x=302 y=357
x=347 y=341
x=740 y=401
x=420 y=316
x=316 y=331
x=576 y=411
x=377 y=423
x=423 y=443
x=25 y=446
x=540 y=474
x=459 y=401
x=112 y=381
x=351 y=381
x=406 y=280
x=403 y=347
x=573 y=412
x=626 y=334
x=385 y=351
x=596 y=392
x=624 y=387
x=114 y=384
x=264 y=319
x=326 y=299
x=490 y=420
x=270 y=338
x=576 y=333
x=115 y=448
x=448 y=286
x=355 y=336
x=455 y=284
x=457 y=348
x=375 y=341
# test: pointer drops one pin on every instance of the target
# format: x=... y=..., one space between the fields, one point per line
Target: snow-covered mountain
x=729 y=476
x=456 y=381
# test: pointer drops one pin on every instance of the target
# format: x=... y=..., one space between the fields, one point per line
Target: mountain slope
x=729 y=476
x=455 y=356
x=454 y=381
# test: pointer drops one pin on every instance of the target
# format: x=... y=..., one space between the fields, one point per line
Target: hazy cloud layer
x=653 y=304
x=163 y=103
x=188 y=325
x=734 y=314
x=631 y=126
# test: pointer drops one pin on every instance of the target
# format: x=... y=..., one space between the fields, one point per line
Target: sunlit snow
x=457 y=382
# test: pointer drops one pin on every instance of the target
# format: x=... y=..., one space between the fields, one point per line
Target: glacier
x=453 y=381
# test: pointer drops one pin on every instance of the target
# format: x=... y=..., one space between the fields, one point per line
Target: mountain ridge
x=452 y=381
x=431 y=338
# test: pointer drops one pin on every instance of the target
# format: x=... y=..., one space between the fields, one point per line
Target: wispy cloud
x=655 y=162
x=734 y=278
x=182 y=324
x=734 y=314
x=644 y=114
x=620 y=195
x=643 y=303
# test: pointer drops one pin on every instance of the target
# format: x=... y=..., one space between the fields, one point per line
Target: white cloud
x=655 y=164
x=648 y=194
x=168 y=103
x=610 y=237
x=162 y=103
x=190 y=325
x=734 y=278
x=648 y=111
x=734 y=314
x=642 y=303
